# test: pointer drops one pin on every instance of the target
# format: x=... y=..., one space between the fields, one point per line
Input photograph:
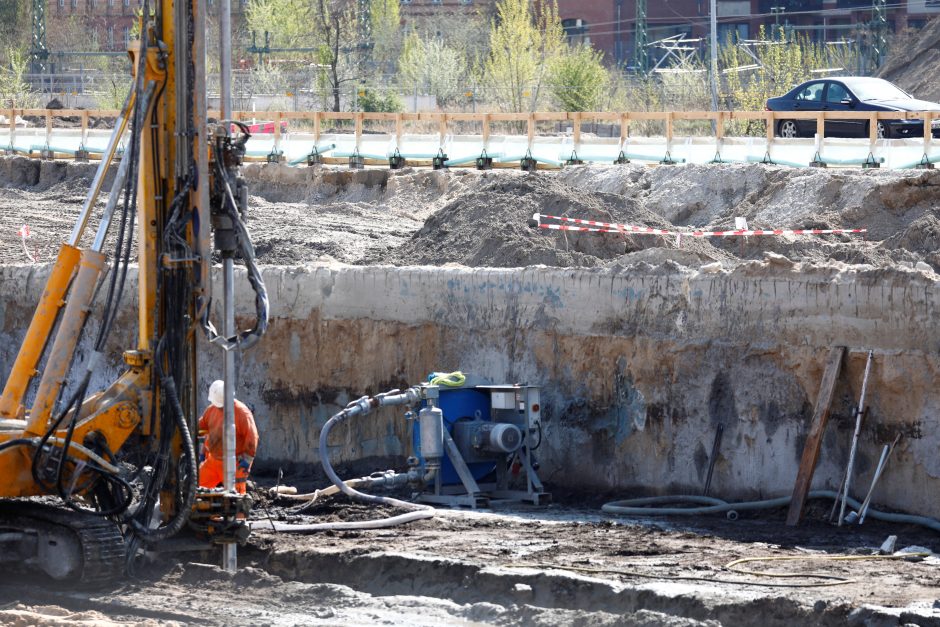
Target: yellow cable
x=452 y=379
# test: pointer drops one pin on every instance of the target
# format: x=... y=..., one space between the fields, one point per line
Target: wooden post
x=821 y=126
x=624 y=128
x=48 y=126
x=530 y=130
x=277 y=132
x=771 y=122
x=669 y=120
x=720 y=126
x=814 y=438
x=928 y=129
x=399 y=129
x=358 y=129
x=84 y=128
x=576 y=130
x=486 y=132
x=873 y=127
x=12 y=126
x=317 y=116
x=442 y=128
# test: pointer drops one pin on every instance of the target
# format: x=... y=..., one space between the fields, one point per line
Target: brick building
x=106 y=23
x=411 y=9
x=610 y=24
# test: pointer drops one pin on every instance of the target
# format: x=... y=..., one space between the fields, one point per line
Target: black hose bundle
x=242 y=340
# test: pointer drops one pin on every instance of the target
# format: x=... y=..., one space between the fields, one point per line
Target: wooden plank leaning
x=814 y=440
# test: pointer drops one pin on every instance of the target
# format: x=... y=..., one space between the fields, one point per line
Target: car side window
x=837 y=93
x=811 y=93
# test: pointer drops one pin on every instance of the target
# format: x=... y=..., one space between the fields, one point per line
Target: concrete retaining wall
x=639 y=365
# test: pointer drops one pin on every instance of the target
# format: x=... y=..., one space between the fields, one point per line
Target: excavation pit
x=642 y=349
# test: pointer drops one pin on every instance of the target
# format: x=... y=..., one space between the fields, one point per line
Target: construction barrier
x=276 y=140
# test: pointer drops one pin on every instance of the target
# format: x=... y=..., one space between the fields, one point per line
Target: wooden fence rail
x=443 y=120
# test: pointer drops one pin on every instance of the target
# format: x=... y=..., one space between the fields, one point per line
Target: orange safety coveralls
x=246 y=443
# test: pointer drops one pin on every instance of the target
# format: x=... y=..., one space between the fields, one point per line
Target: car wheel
x=882 y=131
x=788 y=129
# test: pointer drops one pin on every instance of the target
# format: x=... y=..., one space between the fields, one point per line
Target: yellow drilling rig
x=118 y=467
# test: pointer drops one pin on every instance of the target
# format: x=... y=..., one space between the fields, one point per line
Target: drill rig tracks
x=33 y=533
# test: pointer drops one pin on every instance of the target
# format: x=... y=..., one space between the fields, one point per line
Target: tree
x=386 y=23
x=432 y=66
x=15 y=92
x=372 y=100
x=577 y=80
x=14 y=29
x=335 y=21
x=286 y=21
x=523 y=42
x=781 y=66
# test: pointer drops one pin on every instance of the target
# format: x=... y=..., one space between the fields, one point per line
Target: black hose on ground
x=710 y=505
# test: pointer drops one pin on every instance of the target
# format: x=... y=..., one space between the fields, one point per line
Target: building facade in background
x=103 y=25
x=411 y=9
x=610 y=25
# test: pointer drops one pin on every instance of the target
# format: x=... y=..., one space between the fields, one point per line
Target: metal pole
x=859 y=414
x=229 y=551
x=225 y=61
x=713 y=66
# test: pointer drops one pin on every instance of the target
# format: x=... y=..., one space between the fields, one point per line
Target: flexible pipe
x=328 y=491
x=382 y=523
x=352 y=410
x=709 y=505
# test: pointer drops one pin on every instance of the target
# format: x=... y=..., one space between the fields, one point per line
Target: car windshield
x=876 y=89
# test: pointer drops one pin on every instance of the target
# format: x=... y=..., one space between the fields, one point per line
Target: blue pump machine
x=490 y=431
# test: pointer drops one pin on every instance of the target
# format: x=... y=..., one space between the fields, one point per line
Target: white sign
x=729 y=8
x=923 y=6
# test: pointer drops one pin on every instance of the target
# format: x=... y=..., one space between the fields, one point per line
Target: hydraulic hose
x=360 y=407
x=710 y=505
x=382 y=523
x=354 y=409
x=189 y=454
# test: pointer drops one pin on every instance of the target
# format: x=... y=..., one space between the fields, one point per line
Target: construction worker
x=246 y=440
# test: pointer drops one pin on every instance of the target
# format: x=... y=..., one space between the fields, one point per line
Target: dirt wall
x=639 y=365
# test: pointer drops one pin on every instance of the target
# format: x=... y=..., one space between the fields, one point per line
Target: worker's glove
x=244 y=462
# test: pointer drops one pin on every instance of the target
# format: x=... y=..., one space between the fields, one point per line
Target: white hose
x=383 y=523
x=328 y=491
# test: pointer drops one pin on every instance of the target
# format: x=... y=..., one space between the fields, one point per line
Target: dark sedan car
x=851 y=93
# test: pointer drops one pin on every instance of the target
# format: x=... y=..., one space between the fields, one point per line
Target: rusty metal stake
x=711 y=462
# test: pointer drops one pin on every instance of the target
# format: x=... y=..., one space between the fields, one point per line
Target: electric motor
x=501 y=437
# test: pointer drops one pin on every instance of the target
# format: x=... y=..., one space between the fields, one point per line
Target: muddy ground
x=556 y=565
x=560 y=564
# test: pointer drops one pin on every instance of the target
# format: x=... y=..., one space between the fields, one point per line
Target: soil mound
x=913 y=67
x=490 y=227
x=406 y=217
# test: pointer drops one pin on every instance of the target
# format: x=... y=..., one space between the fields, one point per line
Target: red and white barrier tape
x=593 y=226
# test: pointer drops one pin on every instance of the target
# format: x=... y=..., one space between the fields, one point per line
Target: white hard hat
x=217 y=393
